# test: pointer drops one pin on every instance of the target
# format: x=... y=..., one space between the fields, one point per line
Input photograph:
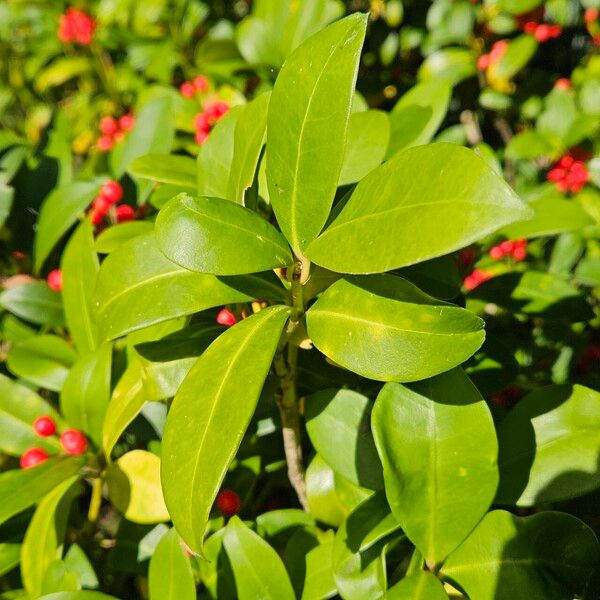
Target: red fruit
x=125 y=213
x=217 y=110
x=519 y=254
x=200 y=83
x=554 y=31
x=201 y=122
x=228 y=502
x=201 y=137
x=73 y=442
x=104 y=143
x=187 y=89
x=97 y=215
x=101 y=204
x=32 y=457
x=127 y=122
x=118 y=137
x=76 y=26
x=507 y=246
x=530 y=27
x=591 y=14
x=483 y=62
x=498 y=50
x=112 y=192
x=226 y=317
x=108 y=126
x=54 y=280
x=564 y=83
x=44 y=426
x=542 y=33
x=496 y=252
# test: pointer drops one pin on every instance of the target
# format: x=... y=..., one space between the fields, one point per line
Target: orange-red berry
x=187 y=89
x=54 y=280
x=226 y=317
x=73 y=442
x=108 y=126
x=105 y=143
x=127 y=122
x=112 y=192
x=200 y=83
x=228 y=502
x=44 y=426
x=32 y=457
x=124 y=212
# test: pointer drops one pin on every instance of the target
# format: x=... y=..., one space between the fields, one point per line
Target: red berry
x=97 y=215
x=118 y=137
x=201 y=137
x=108 y=126
x=554 y=31
x=127 y=122
x=112 y=192
x=101 y=204
x=200 y=83
x=125 y=213
x=44 y=426
x=228 y=502
x=542 y=33
x=483 y=62
x=498 y=50
x=54 y=280
x=591 y=14
x=496 y=252
x=226 y=317
x=104 y=143
x=32 y=457
x=187 y=89
x=201 y=122
x=564 y=83
x=73 y=441
x=519 y=254
x=507 y=246
x=530 y=27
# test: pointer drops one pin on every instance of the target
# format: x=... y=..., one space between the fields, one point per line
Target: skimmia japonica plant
x=280 y=363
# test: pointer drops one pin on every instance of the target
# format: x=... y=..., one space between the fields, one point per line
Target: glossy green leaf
x=248 y=140
x=44 y=360
x=79 y=564
x=126 y=402
x=549 y=446
x=219 y=394
x=318 y=573
x=437 y=443
x=166 y=168
x=170 y=574
x=450 y=64
x=307 y=122
x=211 y=235
x=19 y=408
x=216 y=156
x=86 y=392
x=138 y=287
x=43 y=542
x=34 y=302
x=517 y=55
x=422 y=203
x=418 y=586
x=110 y=239
x=134 y=487
x=417 y=116
x=257 y=569
x=20 y=489
x=367 y=143
x=338 y=424
x=79 y=269
x=80 y=595
x=385 y=328
x=550 y=555
x=10 y=556
x=59 y=212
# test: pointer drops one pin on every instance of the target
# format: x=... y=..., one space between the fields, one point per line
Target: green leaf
x=221 y=237
x=79 y=564
x=368 y=138
x=450 y=64
x=338 y=424
x=306 y=131
x=248 y=140
x=60 y=210
x=110 y=239
x=125 y=404
x=80 y=595
x=134 y=487
x=60 y=71
x=257 y=568
x=20 y=489
x=79 y=269
x=529 y=144
x=170 y=574
x=19 y=408
x=221 y=392
x=517 y=55
x=549 y=446
x=385 y=328
x=417 y=116
x=43 y=542
x=418 y=586
x=216 y=156
x=422 y=203
x=550 y=555
x=437 y=443
x=359 y=550
x=43 y=360
x=138 y=287
x=86 y=392
x=10 y=556
x=34 y=302
x=153 y=134
x=166 y=168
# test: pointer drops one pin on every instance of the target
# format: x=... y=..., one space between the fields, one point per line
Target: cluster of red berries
x=198 y=85
x=226 y=317
x=508 y=397
x=205 y=121
x=517 y=250
x=477 y=277
x=72 y=441
x=113 y=130
x=228 y=502
x=110 y=193
x=570 y=174
x=497 y=51
x=76 y=27
x=542 y=32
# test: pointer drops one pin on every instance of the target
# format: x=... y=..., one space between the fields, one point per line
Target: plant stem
x=96 y=499
x=285 y=368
